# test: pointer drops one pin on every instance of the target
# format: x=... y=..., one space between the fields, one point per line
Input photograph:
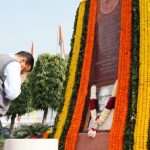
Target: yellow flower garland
x=143 y=104
x=72 y=71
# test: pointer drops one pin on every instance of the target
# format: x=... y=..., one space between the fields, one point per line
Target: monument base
x=100 y=142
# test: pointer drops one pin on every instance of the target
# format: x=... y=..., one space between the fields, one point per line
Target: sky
x=26 y=21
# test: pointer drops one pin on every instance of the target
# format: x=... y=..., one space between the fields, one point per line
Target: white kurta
x=12 y=83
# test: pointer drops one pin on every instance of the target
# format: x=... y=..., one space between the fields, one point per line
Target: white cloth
x=12 y=83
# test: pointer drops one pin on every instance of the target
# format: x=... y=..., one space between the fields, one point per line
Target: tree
x=47 y=83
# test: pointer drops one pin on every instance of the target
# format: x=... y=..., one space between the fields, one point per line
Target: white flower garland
x=99 y=120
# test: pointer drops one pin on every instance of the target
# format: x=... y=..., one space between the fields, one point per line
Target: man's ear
x=22 y=59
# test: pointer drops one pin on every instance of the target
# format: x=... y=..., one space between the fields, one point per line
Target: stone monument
x=104 y=69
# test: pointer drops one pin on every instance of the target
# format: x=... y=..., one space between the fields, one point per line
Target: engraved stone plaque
x=107 y=6
x=105 y=58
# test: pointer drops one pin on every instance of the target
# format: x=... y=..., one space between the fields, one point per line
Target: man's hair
x=28 y=56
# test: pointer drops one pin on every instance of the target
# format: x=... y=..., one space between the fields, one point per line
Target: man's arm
x=12 y=83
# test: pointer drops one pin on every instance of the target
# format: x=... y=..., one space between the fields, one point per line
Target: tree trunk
x=44 y=117
x=12 y=125
x=1 y=127
x=51 y=123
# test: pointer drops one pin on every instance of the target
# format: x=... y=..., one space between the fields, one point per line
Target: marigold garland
x=143 y=104
x=77 y=79
x=121 y=105
x=148 y=142
x=72 y=71
x=72 y=134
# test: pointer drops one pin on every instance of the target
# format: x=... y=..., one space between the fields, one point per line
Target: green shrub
x=30 y=131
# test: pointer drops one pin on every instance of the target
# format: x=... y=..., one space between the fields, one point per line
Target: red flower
x=34 y=137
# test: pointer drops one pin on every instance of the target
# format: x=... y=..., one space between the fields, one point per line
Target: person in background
x=13 y=69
